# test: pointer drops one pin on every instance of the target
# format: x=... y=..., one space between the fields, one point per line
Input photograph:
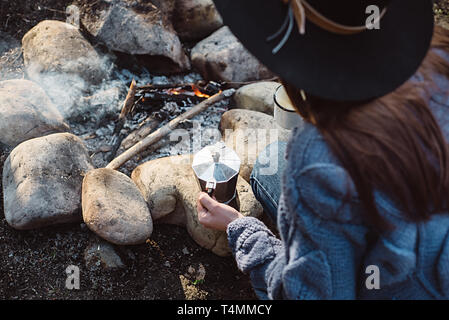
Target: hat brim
x=337 y=67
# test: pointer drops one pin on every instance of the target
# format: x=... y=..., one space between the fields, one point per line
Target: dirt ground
x=33 y=263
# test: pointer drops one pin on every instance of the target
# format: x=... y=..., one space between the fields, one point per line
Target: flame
x=175 y=91
x=198 y=93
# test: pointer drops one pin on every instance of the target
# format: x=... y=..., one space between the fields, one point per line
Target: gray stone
x=142 y=29
x=55 y=47
x=248 y=132
x=257 y=96
x=100 y=253
x=222 y=57
x=169 y=187
x=26 y=112
x=196 y=19
x=42 y=180
x=114 y=208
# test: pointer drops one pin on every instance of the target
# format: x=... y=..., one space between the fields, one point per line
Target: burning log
x=153 y=96
x=161 y=98
x=167 y=129
x=210 y=87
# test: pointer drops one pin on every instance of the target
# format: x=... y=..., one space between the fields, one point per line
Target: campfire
x=151 y=100
x=153 y=97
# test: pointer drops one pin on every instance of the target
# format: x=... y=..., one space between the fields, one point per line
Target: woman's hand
x=215 y=215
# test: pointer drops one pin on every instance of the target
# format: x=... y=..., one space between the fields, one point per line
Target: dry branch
x=129 y=101
x=138 y=134
x=127 y=106
x=167 y=129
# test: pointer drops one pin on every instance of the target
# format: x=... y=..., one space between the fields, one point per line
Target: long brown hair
x=393 y=143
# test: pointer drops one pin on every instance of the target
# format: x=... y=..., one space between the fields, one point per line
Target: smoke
x=75 y=96
x=79 y=100
x=86 y=89
x=68 y=89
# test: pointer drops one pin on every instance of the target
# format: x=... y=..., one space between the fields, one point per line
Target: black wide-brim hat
x=361 y=66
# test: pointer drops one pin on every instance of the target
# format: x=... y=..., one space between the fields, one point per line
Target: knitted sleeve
x=319 y=253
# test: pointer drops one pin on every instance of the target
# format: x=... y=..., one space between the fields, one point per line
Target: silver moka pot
x=217 y=168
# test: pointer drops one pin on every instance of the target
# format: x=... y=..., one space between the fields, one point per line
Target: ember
x=195 y=91
x=198 y=93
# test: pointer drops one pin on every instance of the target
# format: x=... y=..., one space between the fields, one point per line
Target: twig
x=135 y=136
x=167 y=129
x=127 y=105
x=166 y=97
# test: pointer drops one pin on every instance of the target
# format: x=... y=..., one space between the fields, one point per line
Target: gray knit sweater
x=324 y=249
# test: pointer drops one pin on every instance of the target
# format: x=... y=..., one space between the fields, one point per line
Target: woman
x=362 y=206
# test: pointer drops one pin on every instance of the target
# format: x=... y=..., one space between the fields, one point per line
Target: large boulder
x=248 y=132
x=42 y=180
x=257 y=96
x=114 y=208
x=57 y=47
x=196 y=19
x=26 y=112
x=222 y=57
x=139 y=28
x=169 y=187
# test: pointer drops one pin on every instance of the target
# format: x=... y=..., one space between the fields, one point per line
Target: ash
x=96 y=130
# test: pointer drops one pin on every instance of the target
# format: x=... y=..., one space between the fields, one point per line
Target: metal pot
x=217 y=168
x=284 y=112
